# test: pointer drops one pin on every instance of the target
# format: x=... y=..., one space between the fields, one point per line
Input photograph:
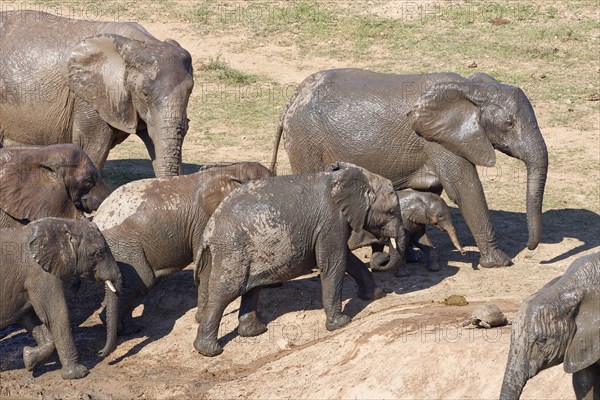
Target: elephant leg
x=461 y=182
x=586 y=383
x=332 y=265
x=219 y=297
x=34 y=356
x=52 y=306
x=367 y=288
x=92 y=133
x=249 y=324
x=425 y=245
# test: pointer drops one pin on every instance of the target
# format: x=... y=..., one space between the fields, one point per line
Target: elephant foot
x=374 y=294
x=74 y=371
x=251 y=328
x=412 y=256
x=379 y=260
x=207 y=347
x=433 y=266
x=401 y=272
x=495 y=258
x=337 y=322
x=31 y=357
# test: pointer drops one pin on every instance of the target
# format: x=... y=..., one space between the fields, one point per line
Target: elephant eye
x=509 y=123
x=89 y=183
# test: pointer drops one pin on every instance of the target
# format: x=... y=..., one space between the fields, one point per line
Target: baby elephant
x=271 y=231
x=154 y=226
x=47 y=181
x=559 y=324
x=418 y=209
x=34 y=262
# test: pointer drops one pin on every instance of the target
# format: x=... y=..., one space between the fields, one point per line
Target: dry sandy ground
x=406 y=345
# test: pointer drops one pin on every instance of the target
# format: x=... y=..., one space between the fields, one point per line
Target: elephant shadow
x=512 y=234
x=120 y=172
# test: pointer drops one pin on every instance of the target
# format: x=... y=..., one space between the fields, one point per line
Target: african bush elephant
x=47 y=181
x=34 y=262
x=559 y=324
x=418 y=209
x=92 y=83
x=153 y=226
x=274 y=230
x=425 y=132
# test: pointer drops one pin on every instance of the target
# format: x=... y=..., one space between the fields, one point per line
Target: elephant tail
x=278 y=134
x=203 y=263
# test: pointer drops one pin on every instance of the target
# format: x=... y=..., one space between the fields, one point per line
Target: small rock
x=593 y=97
x=472 y=64
x=283 y=344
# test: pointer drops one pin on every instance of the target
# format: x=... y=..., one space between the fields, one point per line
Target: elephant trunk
x=167 y=161
x=397 y=251
x=166 y=139
x=514 y=380
x=451 y=231
x=537 y=170
x=92 y=200
x=112 y=316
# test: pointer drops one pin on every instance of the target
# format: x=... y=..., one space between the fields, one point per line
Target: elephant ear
x=449 y=114
x=97 y=73
x=53 y=247
x=212 y=192
x=353 y=195
x=584 y=349
x=32 y=190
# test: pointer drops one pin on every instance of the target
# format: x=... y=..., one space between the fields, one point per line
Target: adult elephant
x=559 y=324
x=425 y=132
x=93 y=84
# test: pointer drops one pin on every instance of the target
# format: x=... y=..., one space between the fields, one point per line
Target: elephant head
x=126 y=80
x=560 y=323
x=368 y=202
x=473 y=117
x=49 y=181
x=427 y=208
x=70 y=248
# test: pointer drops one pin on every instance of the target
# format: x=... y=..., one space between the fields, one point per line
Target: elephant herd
x=370 y=155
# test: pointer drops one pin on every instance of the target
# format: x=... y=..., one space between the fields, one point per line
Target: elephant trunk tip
x=532 y=245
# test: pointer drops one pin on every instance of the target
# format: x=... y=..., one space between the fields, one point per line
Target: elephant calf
x=559 y=324
x=153 y=226
x=418 y=209
x=271 y=231
x=47 y=181
x=34 y=262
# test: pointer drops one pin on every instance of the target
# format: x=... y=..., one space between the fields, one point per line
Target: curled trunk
x=396 y=255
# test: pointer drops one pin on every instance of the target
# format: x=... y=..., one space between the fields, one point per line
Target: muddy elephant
x=559 y=324
x=47 y=181
x=425 y=132
x=274 y=230
x=92 y=83
x=36 y=259
x=418 y=209
x=153 y=226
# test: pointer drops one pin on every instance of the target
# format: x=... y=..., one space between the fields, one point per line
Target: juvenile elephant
x=271 y=231
x=47 y=181
x=425 y=132
x=154 y=226
x=92 y=83
x=559 y=324
x=35 y=260
x=418 y=209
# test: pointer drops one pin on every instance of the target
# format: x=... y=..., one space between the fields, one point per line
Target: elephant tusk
x=110 y=286
x=393 y=242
